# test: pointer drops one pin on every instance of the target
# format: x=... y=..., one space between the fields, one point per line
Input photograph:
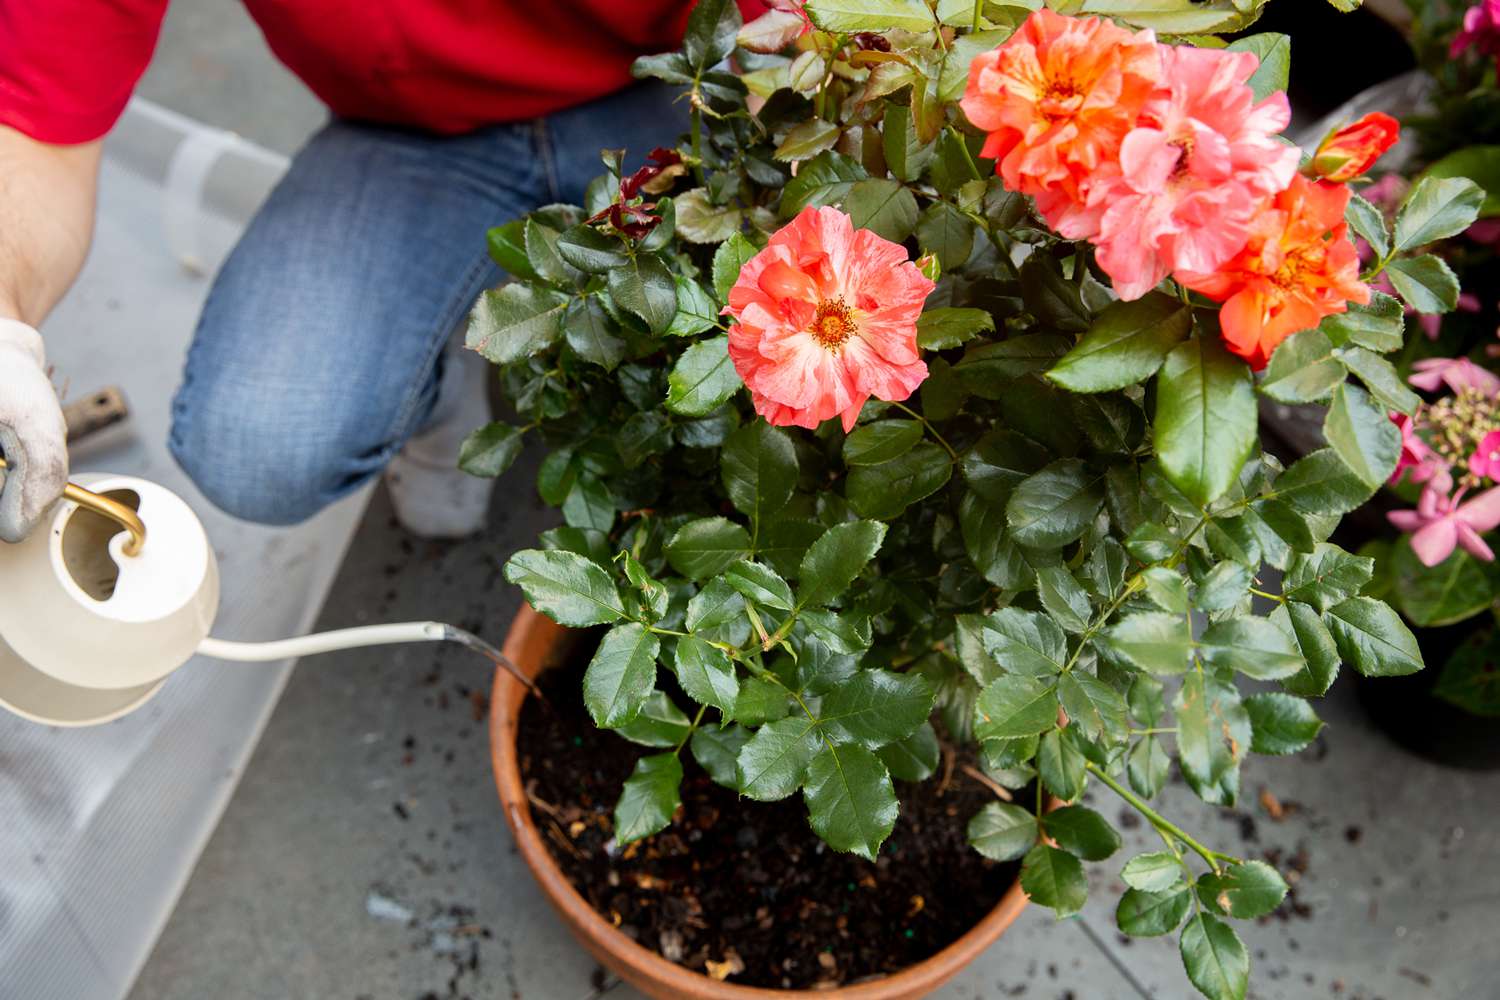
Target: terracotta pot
x=536 y=643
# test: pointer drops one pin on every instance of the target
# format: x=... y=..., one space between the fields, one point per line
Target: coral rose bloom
x=1057 y=98
x=1297 y=267
x=826 y=317
x=1195 y=172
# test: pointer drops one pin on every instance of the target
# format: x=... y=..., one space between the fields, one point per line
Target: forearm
x=46 y=221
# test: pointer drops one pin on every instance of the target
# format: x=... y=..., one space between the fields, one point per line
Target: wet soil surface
x=744 y=890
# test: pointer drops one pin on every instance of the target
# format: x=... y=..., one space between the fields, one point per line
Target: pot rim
x=532 y=644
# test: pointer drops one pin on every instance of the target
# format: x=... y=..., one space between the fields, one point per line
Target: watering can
x=116 y=589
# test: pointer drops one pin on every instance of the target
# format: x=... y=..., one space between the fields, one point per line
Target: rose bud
x=1350 y=151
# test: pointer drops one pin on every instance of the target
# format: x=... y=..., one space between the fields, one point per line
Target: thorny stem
x=929 y=428
x=1163 y=825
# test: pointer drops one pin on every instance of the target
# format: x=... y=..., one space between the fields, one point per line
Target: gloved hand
x=33 y=435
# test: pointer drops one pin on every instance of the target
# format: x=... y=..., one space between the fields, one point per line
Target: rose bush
x=1031 y=261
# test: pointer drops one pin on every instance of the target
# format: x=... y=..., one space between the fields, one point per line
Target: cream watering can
x=119 y=587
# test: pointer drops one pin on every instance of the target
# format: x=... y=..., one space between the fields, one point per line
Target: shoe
x=432 y=498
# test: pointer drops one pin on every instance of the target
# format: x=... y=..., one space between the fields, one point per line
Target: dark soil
x=744 y=889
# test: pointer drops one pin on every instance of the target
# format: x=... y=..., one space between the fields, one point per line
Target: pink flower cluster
x=1481 y=31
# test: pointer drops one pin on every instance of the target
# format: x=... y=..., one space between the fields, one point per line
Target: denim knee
x=255 y=467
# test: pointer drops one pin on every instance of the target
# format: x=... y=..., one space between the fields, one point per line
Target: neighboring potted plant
x=993 y=490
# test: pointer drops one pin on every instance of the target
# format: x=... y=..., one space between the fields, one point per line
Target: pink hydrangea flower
x=825 y=318
x=1193 y=175
x=1440 y=523
x=1414 y=451
x=1481 y=30
x=1485 y=462
x=1457 y=373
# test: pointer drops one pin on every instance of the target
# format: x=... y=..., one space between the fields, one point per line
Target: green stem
x=1135 y=583
x=928 y=427
x=968 y=156
x=691 y=730
x=1156 y=819
x=1270 y=597
x=697 y=128
x=978 y=6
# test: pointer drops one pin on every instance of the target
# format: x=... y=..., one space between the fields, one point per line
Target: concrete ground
x=364 y=855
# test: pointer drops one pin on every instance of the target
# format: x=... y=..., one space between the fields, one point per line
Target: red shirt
x=67 y=67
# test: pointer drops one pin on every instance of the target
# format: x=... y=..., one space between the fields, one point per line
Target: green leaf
x=1092 y=705
x=1215 y=958
x=1206 y=424
x=621 y=675
x=1281 y=723
x=1369 y=222
x=589 y=504
x=1373 y=638
x=1125 y=344
x=587 y=249
x=1166 y=588
x=1061 y=765
x=706 y=674
x=1480 y=164
x=881 y=441
x=999 y=461
x=1213 y=736
x=987 y=369
x=823 y=180
x=784 y=542
x=489 y=451
x=1380 y=326
x=1284 y=522
x=1024 y=642
x=728 y=259
x=759 y=468
x=1144 y=913
x=1055 y=879
x=659 y=724
x=1253 y=646
x=1244 y=891
x=1156 y=871
x=1222 y=587
x=1362 y=435
x=760 y=585
x=507 y=246
x=706 y=547
x=1002 y=832
x=841 y=635
x=835 y=559
x=1320 y=483
x=592 y=334
x=1050 y=297
x=1381 y=378
x=1081 y=831
x=1063 y=598
x=1455 y=589
x=762 y=700
x=850 y=801
x=915 y=758
x=704 y=378
x=882 y=492
x=710 y=34
x=515 y=322
x=645 y=287
x=945 y=327
x=1055 y=506
x=905 y=154
x=1327 y=576
x=876 y=707
x=1320 y=654
x=849 y=16
x=1436 y=208
x=696 y=309
x=1155 y=642
x=718 y=751
x=1469 y=678
x=650 y=797
x=808 y=139
x=1427 y=283
x=1275 y=54
x=988 y=545
x=946 y=233
x=565 y=587
x=1303 y=369
x=774 y=762
x=1014 y=706
x=884 y=207
x=1147 y=766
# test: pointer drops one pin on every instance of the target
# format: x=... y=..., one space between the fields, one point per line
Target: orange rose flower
x=1057 y=99
x=1349 y=152
x=1298 y=267
x=825 y=318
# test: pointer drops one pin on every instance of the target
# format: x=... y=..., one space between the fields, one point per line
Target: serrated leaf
x=1014 y=706
x=1320 y=483
x=881 y=441
x=836 y=558
x=1244 y=891
x=1320 y=655
x=489 y=451
x=706 y=674
x=823 y=180
x=882 y=206
x=706 y=547
x=645 y=287
x=1206 y=424
x=1153 y=641
x=659 y=724
x=774 y=762
x=945 y=327
x=651 y=795
x=759 y=469
x=882 y=492
x=1327 y=576
x=870 y=15
x=566 y=587
x=1373 y=638
x=728 y=259
x=1002 y=832
x=1436 y=208
x=1213 y=736
x=1082 y=832
x=876 y=707
x=702 y=379
x=1380 y=326
x=1061 y=765
x=808 y=139
x=1253 y=646
x=1143 y=913
x=515 y=322
x=1055 y=506
x=1215 y=958
x=1054 y=879
x=1275 y=54
x=1125 y=344
x=850 y=801
x=1063 y=598
x=696 y=309
x=1281 y=723
x=1024 y=642
x=914 y=758
x=1303 y=369
x=1427 y=283
x=1369 y=222
x=760 y=585
x=1381 y=378
x=1156 y=871
x=718 y=750
x=1092 y=705
x=620 y=677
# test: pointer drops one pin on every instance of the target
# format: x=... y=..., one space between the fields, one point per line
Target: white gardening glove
x=33 y=435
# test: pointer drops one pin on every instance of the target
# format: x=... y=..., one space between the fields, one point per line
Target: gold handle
x=112 y=509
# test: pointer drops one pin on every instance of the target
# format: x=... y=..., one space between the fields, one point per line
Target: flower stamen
x=833 y=324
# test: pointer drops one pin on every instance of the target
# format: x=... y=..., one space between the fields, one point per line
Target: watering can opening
x=85 y=547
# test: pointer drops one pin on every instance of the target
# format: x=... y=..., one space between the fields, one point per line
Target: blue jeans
x=320 y=346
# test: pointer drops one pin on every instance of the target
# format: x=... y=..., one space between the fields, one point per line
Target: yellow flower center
x=833 y=324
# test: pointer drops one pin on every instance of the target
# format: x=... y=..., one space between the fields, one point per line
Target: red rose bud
x=1349 y=152
x=869 y=41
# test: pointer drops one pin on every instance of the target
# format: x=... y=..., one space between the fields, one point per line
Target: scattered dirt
x=744 y=890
